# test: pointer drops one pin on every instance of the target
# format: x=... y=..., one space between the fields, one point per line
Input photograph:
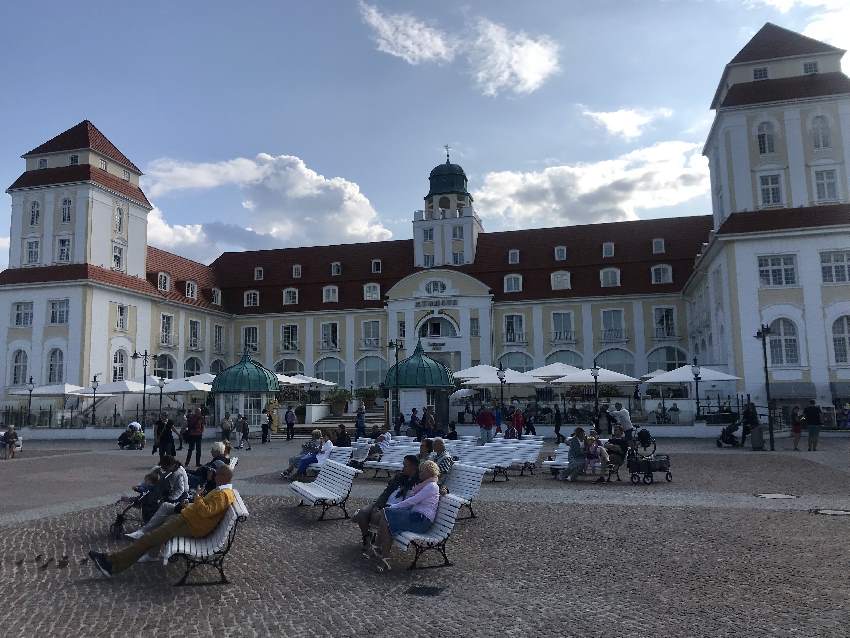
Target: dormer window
x=42 y=162
x=216 y=297
x=252 y=298
x=258 y=273
x=163 y=282
x=513 y=256
x=75 y=160
x=103 y=165
x=608 y=249
x=657 y=246
x=376 y=266
x=560 y=253
x=290 y=296
x=126 y=175
x=513 y=283
x=560 y=280
x=371 y=292
x=609 y=277
x=330 y=294
x=336 y=269
x=191 y=290
x=760 y=73
x=296 y=271
x=810 y=67
x=662 y=274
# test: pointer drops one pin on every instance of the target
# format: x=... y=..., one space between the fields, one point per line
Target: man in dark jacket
x=814 y=420
x=396 y=490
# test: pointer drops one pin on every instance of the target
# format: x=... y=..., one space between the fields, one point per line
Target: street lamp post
x=30 y=388
x=500 y=373
x=594 y=372
x=396 y=345
x=94 y=384
x=695 y=371
x=161 y=384
x=763 y=334
x=144 y=357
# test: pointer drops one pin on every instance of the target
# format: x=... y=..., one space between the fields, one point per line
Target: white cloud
x=664 y=174
x=627 y=123
x=505 y=61
x=285 y=203
x=407 y=37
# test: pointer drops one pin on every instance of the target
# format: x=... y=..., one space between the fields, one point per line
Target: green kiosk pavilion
x=245 y=388
x=420 y=381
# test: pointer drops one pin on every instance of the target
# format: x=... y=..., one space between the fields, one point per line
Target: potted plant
x=367 y=395
x=337 y=398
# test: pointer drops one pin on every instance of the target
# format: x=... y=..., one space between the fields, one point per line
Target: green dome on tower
x=419 y=371
x=246 y=376
x=447 y=178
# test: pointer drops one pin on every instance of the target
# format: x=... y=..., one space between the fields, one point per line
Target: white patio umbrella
x=512 y=377
x=461 y=394
x=179 y=386
x=290 y=380
x=584 y=377
x=313 y=380
x=684 y=374
x=204 y=377
x=56 y=390
x=475 y=371
x=553 y=370
x=116 y=387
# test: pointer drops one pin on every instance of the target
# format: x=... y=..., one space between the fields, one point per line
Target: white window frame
x=67 y=210
x=126 y=175
x=457 y=232
x=336 y=268
x=760 y=73
x=296 y=271
x=289 y=337
x=559 y=336
x=195 y=340
x=122 y=317
x=602 y=278
x=259 y=273
x=377 y=266
x=103 y=165
x=330 y=294
x=457 y=258
x=167 y=337
x=842 y=337
x=512 y=335
x=511 y=277
x=666 y=277
x=658 y=248
x=772 y=173
x=428 y=261
x=118 y=251
x=836 y=183
x=22 y=314
x=402 y=328
x=55 y=368
x=821 y=135
x=665 y=334
x=118 y=220
x=608 y=249
x=766 y=146
x=119 y=365
x=560 y=253
x=253 y=296
x=558 y=274
x=35 y=213
x=59 y=241
x=57 y=312
x=513 y=256
x=332 y=341
x=474 y=327
x=20 y=370
x=163 y=281
x=373 y=340
x=33 y=258
x=191 y=290
x=772 y=267
x=371 y=292
x=247 y=343
x=620 y=334
x=216 y=296
x=74 y=160
x=839 y=269
x=42 y=163
x=292 y=292
x=428 y=234
x=218 y=338
x=783 y=341
x=810 y=67
x=435 y=287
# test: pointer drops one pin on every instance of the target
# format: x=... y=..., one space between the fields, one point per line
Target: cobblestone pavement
x=697 y=557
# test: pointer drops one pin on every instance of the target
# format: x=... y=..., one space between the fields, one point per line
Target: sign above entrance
x=436 y=303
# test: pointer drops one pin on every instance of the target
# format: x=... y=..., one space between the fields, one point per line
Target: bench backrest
x=446 y=517
x=465 y=480
x=340 y=455
x=233 y=461
x=336 y=477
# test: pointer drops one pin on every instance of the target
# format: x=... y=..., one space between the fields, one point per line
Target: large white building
x=83 y=290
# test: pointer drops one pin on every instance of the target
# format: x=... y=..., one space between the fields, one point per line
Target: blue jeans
x=486 y=435
x=405 y=520
x=306 y=461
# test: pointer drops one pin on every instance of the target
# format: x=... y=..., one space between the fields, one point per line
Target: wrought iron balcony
x=563 y=336
x=613 y=335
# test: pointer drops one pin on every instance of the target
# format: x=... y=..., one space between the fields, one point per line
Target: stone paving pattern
x=628 y=560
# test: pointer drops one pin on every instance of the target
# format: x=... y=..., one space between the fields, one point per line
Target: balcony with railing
x=219 y=348
x=250 y=346
x=328 y=345
x=613 y=335
x=563 y=336
x=514 y=338
x=663 y=333
x=370 y=343
x=288 y=345
x=167 y=339
x=195 y=344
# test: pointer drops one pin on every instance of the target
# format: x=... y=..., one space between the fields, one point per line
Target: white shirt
x=137 y=427
x=323 y=455
x=623 y=418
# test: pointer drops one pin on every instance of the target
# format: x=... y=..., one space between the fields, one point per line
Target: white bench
x=341 y=455
x=494 y=458
x=464 y=482
x=330 y=489
x=211 y=549
x=437 y=534
x=392 y=459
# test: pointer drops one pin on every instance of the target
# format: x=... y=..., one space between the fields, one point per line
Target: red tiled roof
x=773 y=41
x=181 y=271
x=84 y=135
x=802 y=86
x=785 y=219
x=80 y=173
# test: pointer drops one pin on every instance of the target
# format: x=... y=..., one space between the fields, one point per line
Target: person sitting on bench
x=617 y=447
x=195 y=519
x=395 y=491
x=575 y=456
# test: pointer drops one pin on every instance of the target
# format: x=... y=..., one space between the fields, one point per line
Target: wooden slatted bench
x=330 y=489
x=341 y=455
x=464 y=483
x=392 y=459
x=211 y=549
x=437 y=535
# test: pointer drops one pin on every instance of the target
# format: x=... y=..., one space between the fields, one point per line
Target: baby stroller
x=139 y=509
x=642 y=445
x=727 y=436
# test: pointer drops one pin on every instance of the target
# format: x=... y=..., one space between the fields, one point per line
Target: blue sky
x=281 y=123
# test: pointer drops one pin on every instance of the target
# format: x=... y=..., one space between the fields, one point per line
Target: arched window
x=662 y=274
x=444 y=202
x=617 y=360
x=19 y=367
x=217 y=366
x=820 y=132
x=330 y=294
x=289 y=367
x=370 y=372
x=766 y=138
x=560 y=280
x=513 y=283
x=784 y=347
x=570 y=357
x=119 y=363
x=435 y=287
x=252 y=298
x=35 y=214
x=192 y=367
x=666 y=358
x=290 y=296
x=164 y=367
x=371 y=292
x=841 y=339
x=437 y=327
x=331 y=369
x=609 y=277
x=56 y=366
x=66 y=210
x=163 y=282
x=518 y=361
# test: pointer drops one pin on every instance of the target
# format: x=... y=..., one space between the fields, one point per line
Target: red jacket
x=486 y=419
x=195 y=424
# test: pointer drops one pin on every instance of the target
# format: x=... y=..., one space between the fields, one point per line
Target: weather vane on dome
x=447 y=147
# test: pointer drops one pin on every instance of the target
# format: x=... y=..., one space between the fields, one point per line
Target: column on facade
x=410 y=331
x=47 y=236
x=844 y=124
x=537 y=335
x=796 y=158
x=587 y=334
x=640 y=338
x=270 y=344
x=350 y=338
x=485 y=329
x=816 y=331
x=740 y=152
x=309 y=345
x=182 y=340
x=466 y=341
